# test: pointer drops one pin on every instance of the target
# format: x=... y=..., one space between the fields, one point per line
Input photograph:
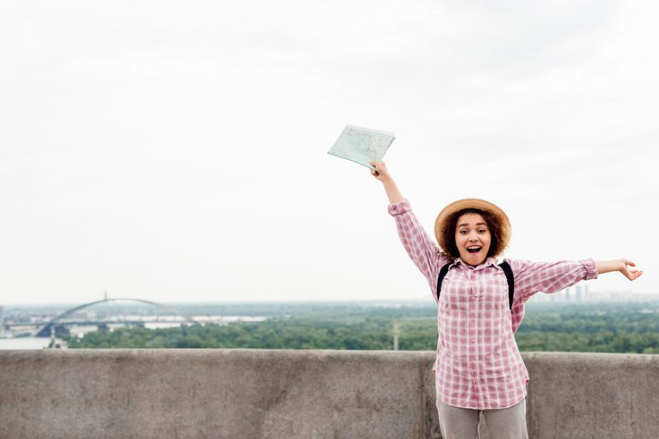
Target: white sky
x=177 y=151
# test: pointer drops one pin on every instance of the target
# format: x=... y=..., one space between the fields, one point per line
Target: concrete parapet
x=256 y=394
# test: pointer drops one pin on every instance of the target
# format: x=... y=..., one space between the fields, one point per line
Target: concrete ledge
x=300 y=394
x=593 y=395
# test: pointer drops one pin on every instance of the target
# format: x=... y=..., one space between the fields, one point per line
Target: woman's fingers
x=635 y=274
x=631 y=274
x=627 y=273
x=379 y=168
x=628 y=262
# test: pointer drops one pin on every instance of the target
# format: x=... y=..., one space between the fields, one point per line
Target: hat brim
x=472 y=203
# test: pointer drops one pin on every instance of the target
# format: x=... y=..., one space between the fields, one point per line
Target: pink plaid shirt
x=478 y=365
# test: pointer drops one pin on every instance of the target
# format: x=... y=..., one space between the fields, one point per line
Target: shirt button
x=473 y=340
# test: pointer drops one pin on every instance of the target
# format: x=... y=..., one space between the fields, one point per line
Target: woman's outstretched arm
x=621 y=265
x=382 y=174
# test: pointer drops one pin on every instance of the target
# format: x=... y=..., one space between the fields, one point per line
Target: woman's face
x=473 y=238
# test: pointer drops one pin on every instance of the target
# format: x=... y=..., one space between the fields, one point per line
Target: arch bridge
x=45 y=331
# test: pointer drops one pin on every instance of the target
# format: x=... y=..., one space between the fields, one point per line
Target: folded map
x=361 y=145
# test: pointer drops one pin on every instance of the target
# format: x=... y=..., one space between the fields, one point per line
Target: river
x=24 y=343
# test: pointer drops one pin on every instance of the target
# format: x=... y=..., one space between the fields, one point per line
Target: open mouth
x=474 y=249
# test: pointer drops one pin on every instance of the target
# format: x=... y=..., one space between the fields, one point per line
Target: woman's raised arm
x=419 y=246
x=382 y=174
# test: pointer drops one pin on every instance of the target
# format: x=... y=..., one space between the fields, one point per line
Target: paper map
x=361 y=145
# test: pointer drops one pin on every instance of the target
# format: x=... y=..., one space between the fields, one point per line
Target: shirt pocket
x=494 y=292
x=455 y=293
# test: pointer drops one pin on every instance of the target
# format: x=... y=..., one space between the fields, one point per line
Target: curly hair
x=493 y=224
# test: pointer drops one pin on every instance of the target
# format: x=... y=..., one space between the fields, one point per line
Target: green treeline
x=273 y=334
x=626 y=329
x=618 y=332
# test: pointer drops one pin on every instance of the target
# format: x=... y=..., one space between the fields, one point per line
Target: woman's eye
x=463 y=232
x=482 y=231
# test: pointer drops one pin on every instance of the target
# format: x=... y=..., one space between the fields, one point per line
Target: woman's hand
x=622 y=265
x=380 y=172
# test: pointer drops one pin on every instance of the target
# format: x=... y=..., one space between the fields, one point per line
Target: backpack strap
x=505 y=266
x=440 y=279
x=506 y=270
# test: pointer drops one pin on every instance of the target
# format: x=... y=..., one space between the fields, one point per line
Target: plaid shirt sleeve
x=419 y=246
x=549 y=277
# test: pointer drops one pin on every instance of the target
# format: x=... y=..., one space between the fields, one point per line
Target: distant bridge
x=45 y=331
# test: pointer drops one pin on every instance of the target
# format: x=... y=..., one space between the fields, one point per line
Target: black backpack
x=504 y=266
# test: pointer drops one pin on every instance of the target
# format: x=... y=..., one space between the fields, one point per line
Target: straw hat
x=472 y=203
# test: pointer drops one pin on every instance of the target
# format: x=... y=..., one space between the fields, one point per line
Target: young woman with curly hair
x=478 y=367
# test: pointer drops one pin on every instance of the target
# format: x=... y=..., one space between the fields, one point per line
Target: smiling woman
x=473 y=238
x=478 y=367
x=483 y=224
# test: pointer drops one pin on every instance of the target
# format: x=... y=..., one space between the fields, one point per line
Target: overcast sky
x=177 y=151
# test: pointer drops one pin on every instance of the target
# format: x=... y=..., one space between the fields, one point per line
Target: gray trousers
x=459 y=423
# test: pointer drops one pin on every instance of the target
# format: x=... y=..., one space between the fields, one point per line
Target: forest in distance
x=565 y=327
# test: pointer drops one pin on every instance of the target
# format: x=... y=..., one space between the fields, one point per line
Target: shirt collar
x=489 y=261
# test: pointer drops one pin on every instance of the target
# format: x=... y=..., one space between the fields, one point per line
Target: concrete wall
x=257 y=394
